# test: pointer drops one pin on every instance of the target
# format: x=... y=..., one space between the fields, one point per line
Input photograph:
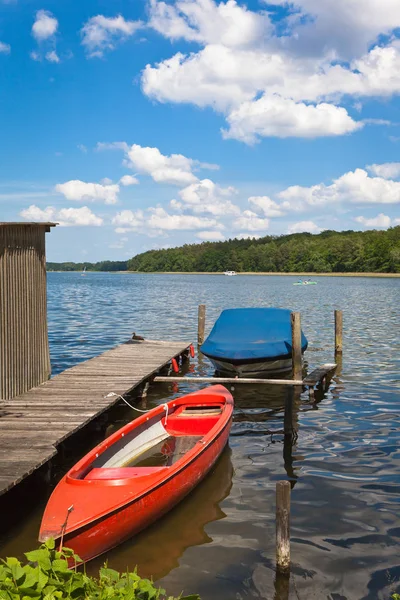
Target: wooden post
x=283 y=526
x=338 y=332
x=296 y=346
x=201 y=324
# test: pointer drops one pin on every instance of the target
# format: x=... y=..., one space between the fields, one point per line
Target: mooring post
x=338 y=332
x=201 y=324
x=297 y=365
x=283 y=527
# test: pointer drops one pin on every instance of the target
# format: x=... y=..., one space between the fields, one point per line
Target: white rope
x=165 y=406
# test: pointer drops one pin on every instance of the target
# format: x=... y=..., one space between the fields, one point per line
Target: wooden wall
x=24 y=347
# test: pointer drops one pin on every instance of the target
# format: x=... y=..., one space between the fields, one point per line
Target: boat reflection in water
x=157 y=550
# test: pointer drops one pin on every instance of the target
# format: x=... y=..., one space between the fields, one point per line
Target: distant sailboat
x=84 y=271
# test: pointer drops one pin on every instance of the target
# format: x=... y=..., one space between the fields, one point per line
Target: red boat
x=139 y=473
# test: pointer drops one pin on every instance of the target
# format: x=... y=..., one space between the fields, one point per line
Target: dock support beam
x=296 y=346
x=283 y=527
x=338 y=332
x=201 y=324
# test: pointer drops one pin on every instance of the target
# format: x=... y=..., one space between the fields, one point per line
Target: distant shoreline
x=266 y=274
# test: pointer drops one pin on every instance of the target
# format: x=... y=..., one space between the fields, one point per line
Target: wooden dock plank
x=318 y=374
x=33 y=424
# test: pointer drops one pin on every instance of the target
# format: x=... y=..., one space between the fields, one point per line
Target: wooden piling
x=338 y=332
x=201 y=324
x=296 y=346
x=283 y=526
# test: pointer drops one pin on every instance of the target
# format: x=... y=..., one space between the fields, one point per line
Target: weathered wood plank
x=195 y=379
x=315 y=376
x=34 y=423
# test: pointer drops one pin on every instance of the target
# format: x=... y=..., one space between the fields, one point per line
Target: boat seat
x=121 y=472
x=199 y=411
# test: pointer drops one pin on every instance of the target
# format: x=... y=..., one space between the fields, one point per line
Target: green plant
x=47 y=576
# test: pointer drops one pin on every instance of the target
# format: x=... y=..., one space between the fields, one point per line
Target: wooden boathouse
x=24 y=347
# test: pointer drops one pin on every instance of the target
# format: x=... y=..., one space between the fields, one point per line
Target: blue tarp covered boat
x=246 y=341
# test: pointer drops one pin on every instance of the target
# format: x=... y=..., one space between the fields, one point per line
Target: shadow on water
x=157 y=550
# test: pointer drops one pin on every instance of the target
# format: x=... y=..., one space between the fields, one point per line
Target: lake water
x=344 y=468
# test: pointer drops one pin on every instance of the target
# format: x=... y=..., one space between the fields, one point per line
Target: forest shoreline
x=267 y=274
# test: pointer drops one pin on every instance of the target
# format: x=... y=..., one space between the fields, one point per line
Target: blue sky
x=147 y=124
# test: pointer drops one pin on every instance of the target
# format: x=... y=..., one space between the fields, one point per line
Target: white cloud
x=34 y=213
x=210 y=236
x=216 y=76
x=347 y=27
x=385 y=170
x=251 y=75
x=379 y=221
x=82 y=191
x=128 y=180
x=247 y=236
x=5 y=48
x=274 y=116
x=129 y=220
x=207 y=197
x=52 y=56
x=45 y=25
x=266 y=206
x=101 y=33
x=250 y=221
x=158 y=220
x=354 y=187
x=65 y=217
x=304 y=226
x=208 y=22
x=175 y=169
x=82 y=148
x=224 y=77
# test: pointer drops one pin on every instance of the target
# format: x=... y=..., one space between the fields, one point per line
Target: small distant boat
x=83 y=272
x=138 y=473
x=230 y=273
x=305 y=282
x=251 y=341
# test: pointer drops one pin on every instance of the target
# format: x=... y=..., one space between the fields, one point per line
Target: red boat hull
x=133 y=505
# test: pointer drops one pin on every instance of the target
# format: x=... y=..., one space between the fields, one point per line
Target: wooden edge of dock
x=34 y=424
x=312 y=379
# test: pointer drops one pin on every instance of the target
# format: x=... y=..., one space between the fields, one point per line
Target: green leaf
x=37 y=555
x=50 y=544
x=60 y=565
x=42 y=579
x=31 y=579
x=14 y=569
x=110 y=574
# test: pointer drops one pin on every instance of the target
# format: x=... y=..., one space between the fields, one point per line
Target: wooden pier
x=33 y=424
